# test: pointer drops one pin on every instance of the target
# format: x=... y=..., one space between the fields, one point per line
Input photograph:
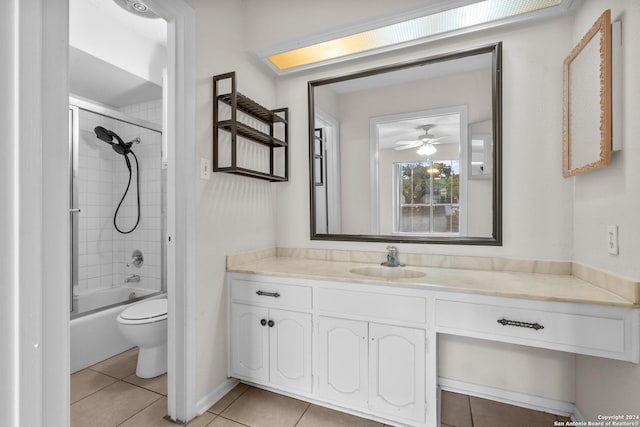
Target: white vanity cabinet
x=378 y=367
x=397 y=372
x=370 y=348
x=343 y=361
x=269 y=344
x=594 y=330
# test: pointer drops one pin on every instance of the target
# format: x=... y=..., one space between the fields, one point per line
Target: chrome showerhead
x=137 y=8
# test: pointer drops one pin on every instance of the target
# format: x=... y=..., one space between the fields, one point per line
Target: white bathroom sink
x=388 y=272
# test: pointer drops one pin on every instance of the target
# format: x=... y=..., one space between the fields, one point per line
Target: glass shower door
x=104 y=181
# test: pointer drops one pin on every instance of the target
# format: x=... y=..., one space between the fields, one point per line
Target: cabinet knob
x=271 y=323
x=263 y=322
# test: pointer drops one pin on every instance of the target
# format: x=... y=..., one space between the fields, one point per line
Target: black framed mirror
x=397 y=151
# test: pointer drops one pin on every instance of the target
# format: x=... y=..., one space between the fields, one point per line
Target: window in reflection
x=428 y=197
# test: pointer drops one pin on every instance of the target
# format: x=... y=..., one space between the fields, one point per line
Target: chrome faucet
x=392 y=258
x=132 y=279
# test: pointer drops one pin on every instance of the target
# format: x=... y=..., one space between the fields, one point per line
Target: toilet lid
x=146 y=310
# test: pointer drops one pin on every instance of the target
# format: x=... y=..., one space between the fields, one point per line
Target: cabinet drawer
x=275 y=294
x=373 y=305
x=578 y=333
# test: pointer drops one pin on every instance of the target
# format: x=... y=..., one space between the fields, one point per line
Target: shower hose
x=115 y=215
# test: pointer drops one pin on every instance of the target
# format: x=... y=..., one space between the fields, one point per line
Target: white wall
x=610 y=196
x=9 y=274
x=233 y=213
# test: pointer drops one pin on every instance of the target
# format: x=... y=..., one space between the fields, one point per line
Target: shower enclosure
x=110 y=267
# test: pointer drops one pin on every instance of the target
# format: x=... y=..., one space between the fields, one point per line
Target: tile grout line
x=142 y=409
x=305 y=411
x=141 y=386
x=108 y=375
x=230 y=403
x=228 y=419
x=100 y=389
x=160 y=396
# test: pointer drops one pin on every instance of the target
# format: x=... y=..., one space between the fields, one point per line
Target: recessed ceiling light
x=480 y=14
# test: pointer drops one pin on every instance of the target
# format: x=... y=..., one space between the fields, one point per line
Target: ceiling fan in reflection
x=425 y=143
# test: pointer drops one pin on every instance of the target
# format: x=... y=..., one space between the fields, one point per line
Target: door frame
x=38 y=304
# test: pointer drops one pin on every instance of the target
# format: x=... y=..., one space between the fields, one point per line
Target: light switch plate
x=612 y=239
x=205 y=168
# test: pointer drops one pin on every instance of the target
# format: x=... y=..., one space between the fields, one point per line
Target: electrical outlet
x=205 y=168
x=612 y=239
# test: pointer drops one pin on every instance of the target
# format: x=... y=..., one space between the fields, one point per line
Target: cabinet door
x=249 y=342
x=397 y=371
x=342 y=360
x=290 y=349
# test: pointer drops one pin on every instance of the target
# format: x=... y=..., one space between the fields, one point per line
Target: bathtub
x=94 y=332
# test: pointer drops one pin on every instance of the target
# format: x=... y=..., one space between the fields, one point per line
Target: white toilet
x=145 y=325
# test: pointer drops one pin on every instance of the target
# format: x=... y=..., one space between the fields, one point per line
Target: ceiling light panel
x=407 y=32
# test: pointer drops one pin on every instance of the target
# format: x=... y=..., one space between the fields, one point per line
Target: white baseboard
x=553 y=406
x=577 y=416
x=209 y=399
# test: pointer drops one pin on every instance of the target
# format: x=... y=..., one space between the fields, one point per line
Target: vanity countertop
x=546 y=287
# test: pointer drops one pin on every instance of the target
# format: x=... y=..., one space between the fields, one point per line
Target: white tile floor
x=109 y=394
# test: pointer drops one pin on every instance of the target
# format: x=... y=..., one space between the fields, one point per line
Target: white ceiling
x=154 y=30
x=99 y=27
x=447 y=125
x=95 y=79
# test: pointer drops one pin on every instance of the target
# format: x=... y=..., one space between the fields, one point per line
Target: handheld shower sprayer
x=123 y=148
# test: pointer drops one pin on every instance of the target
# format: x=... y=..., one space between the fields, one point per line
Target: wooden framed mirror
x=587 y=124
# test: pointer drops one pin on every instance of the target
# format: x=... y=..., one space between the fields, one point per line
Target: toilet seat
x=145 y=312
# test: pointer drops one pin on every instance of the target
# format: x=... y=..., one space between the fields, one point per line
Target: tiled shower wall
x=103 y=253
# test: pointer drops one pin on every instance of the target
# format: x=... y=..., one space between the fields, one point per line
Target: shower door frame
x=74 y=135
x=75 y=106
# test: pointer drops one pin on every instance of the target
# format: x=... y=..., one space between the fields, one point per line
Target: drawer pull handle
x=268 y=294
x=505 y=322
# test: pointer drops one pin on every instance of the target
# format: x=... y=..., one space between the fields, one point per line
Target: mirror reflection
x=408 y=152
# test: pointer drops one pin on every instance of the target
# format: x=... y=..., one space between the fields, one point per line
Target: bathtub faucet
x=134 y=278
